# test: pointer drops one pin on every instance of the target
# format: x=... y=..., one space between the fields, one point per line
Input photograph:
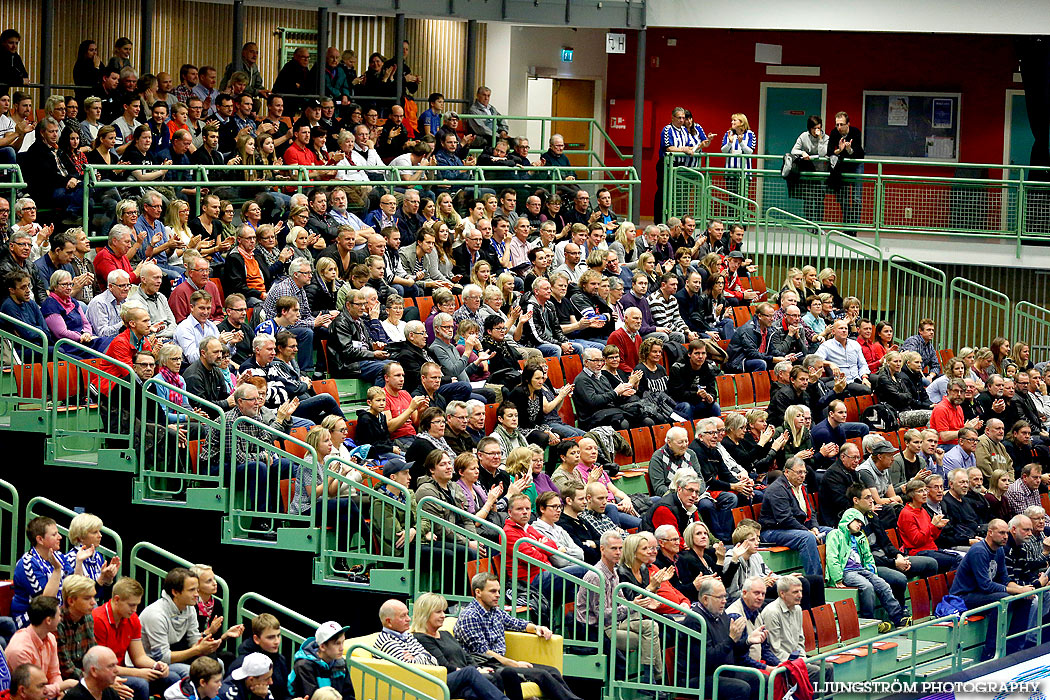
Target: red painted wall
x=713 y=73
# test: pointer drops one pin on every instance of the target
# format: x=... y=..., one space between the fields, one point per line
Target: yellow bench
x=520 y=646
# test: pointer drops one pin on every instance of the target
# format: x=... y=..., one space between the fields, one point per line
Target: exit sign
x=615 y=42
x=566 y=54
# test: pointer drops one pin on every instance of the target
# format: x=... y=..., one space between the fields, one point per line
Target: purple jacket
x=629 y=300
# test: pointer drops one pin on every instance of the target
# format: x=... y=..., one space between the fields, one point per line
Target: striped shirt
x=665 y=312
x=404 y=647
x=673 y=136
x=745 y=144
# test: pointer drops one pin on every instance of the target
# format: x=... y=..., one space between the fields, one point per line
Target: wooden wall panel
x=261 y=24
x=186 y=31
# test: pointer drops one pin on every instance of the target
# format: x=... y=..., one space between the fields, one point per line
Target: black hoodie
x=279 y=689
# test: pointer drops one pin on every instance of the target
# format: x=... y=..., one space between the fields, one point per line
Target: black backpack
x=881 y=417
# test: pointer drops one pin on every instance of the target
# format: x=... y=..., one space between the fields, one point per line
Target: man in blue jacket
x=982 y=579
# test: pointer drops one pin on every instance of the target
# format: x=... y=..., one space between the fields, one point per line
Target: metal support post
x=639 y=112
x=146 y=38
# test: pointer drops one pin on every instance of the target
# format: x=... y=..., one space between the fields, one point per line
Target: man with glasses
x=245 y=272
x=598 y=401
x=60 y=251
x=456 y=434
x=454 y=364
x=198 y=278
x=728 y=642
x=307 y=328
x=103 y=313
x=749 y=348
x=947 y=417
x=789 y=337
x=846 y=354
x=839 y=477
x=1023 y=493
x=157 y=244
x=1025 y=405
x=963 y=455
x=413 y=354
x=787 y=522
x=19 y=246
x=236 y=313
x=255 y=469
x=678 y=506
x=351 y=349
x=490 y=459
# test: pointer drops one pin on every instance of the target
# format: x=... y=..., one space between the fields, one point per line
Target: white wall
x=944 y=16
x=513 y=53
x=540 y=92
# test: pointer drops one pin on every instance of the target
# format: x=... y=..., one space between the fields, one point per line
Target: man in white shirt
x=847 y=355
x=362 y=155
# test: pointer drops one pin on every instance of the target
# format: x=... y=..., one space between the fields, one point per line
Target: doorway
x=783 y=110
x=1018 y=138
x=573 y=98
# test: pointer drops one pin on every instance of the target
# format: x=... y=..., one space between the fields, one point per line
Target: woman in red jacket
x=919 y=531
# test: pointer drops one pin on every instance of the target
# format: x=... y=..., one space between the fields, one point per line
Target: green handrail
x=171 y=470
x=85 y=421
x=451 y=542
x=45 y=506
x=688 y=674
x=593 y=125
x=764 y=691
x=377 y=677
x=973 y=308
x=859 y=266
x=151 y=575
x=9 y=512
x=23 y=363
x=285 y=615
x=1031 y=325
x=259 y=493
x=369 y=543
x=561 y=597
x=15 y=184
x=914 y=291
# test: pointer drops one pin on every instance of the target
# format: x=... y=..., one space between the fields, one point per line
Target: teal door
x=1021 y=139
x=783 y=119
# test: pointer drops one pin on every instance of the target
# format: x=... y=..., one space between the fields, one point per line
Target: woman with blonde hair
x=794 y=281
x=85 y=536
x=738 y=142
x=638 y=568
x=446 y=211
x=481 y=274
x=827 y=278
x=700 y=560
x=505 y=283
x=176 y=226
x=298 y=241
x=810 y=281
x=1021 y=355
x=797 y=424
x=624 y=246
x=647 y=266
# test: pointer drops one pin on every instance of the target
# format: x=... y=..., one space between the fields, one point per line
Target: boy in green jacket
x=850 y=565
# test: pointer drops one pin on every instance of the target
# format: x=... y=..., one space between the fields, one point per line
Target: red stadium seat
x=763 y=386
x=745 y=390
x=572 y=366
x=642 y=443
x=554 y=373
x=726 y=387
x=920 y=600
x=424 y=304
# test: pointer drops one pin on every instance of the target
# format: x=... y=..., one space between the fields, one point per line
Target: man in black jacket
x=717 y=477
x=788 y=338
x=320 y=221
x=350 y=350
x=690 y=304
x=749 y=349
x=995 y=403
x=961 y=531
x=597 y=401
x=204 y=379
x=839 y=477
x=1025 y=405
x=786 y=524
x=845 y=142
x=727 y=643
x=691 y=384
x=574 y=502
x=589 y=305
x=543 y=331
x=893 y=566
x=50 y=175
x=464 y=257
x=19 y=246
x=789 y=395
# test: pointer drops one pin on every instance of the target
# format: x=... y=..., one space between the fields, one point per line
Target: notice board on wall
x=911 y=125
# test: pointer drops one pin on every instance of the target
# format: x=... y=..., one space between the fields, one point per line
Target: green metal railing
x=1031 y=325
x=373 y=683
x=784 y=241
x=900 y=197
x=296 y=628
x=9 y=513
x=11 y=182
x=763 y=690
x=150 y=564
x=172 y=468
x=448 y=554
x=263 y=477
x=23 y=376
x=914 y=291
x=111 y=546
x=617 y=178
x=365 y=527
x=585 y=644
x=686 y=675
x=973 y=309
x=88 y=407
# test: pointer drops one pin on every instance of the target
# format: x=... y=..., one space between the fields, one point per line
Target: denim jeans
x=699 y=409
x=141 y=687
x=372 y=371
x=802 y=541
x=581 y=345
x=468 y=683
x=625 y=521
x=754 y=366
x=869 y=585
x=305 y=354
x=549 y=349
x=718 y=513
